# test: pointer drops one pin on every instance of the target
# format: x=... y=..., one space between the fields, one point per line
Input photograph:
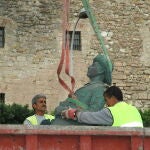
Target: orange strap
x=65 y=55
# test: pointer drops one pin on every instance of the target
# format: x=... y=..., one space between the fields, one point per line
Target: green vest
x=33 y=119
x=125 y=115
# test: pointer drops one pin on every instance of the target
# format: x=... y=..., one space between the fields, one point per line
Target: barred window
x=2 y=97
x=77 y=40
x=2 y=37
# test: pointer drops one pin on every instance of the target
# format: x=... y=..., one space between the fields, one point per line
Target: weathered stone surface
x=33 y=38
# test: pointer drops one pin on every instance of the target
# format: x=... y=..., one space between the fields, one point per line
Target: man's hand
x=69 y=114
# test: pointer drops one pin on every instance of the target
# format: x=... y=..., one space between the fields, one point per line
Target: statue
x=90 y=96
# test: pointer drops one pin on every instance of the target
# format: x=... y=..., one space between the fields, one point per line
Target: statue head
x=100 y=67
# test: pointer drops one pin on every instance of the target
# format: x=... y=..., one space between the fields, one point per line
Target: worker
x=40 y=108
x=90 y=96
x=118 y=113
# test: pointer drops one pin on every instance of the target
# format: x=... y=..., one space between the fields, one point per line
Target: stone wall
x=33 y=38
x=30 y=57
x=126 y=25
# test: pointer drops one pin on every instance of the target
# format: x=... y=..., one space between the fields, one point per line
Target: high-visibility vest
x=33 y=119
x=125 y=115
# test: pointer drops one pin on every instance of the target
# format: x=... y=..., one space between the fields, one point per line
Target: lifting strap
x=96 y=30
x=65 y=55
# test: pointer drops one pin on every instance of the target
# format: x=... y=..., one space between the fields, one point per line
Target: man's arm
x=102 y=117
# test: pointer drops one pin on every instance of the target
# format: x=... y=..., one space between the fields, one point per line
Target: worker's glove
x=69 y=114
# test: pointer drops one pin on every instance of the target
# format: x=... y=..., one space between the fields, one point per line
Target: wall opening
x=2 y=37
x=2 y=97
x=77 y=40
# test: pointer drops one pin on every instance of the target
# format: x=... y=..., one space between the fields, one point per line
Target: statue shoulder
x=92 y=86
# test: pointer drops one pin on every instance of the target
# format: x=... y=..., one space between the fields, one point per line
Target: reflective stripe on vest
x=125 y=115
x=33 y=119
x=132 y=124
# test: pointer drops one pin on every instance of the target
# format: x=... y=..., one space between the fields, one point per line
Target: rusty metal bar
x=31 y=142
x=85 y=143
x=137 y=143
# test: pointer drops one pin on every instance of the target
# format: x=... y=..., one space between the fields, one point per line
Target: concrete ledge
x=20 y=137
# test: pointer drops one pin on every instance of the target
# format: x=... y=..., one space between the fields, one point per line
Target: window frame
x=77 y=40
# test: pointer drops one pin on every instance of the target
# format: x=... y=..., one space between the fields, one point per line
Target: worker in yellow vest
x=118 y=113
x=40 y=108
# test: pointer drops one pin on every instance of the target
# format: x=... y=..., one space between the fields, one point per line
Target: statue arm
x=96 y=104
x=97 y=101
x=63 y=106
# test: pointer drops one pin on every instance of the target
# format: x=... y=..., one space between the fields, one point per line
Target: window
x=77 y=40
x=2 y=39
x=2 y=97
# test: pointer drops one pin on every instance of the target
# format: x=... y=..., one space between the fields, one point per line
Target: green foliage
x=145 y=117
x=14 y=114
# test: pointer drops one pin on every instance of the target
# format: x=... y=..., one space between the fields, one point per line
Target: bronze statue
x=90 y=96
